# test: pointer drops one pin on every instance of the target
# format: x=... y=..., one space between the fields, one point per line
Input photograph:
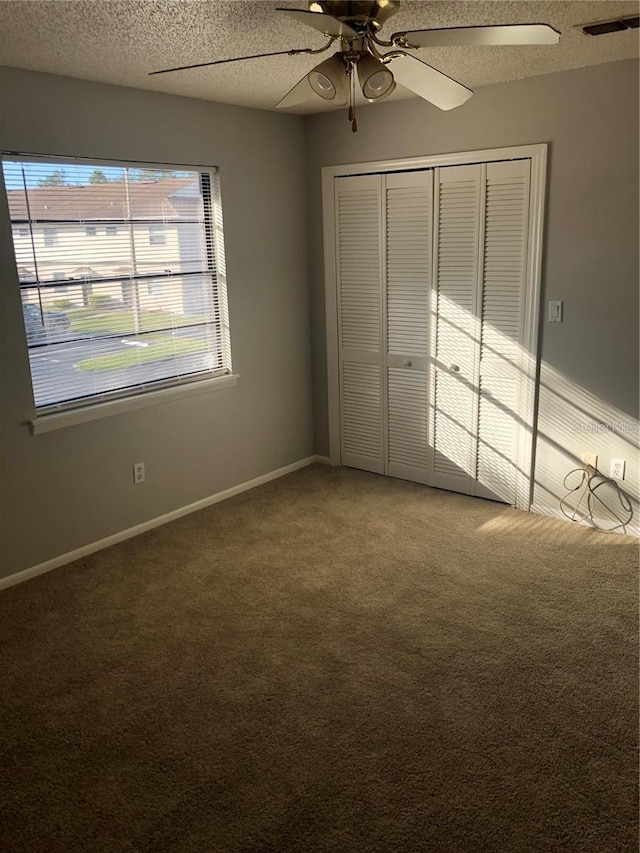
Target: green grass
x=121 y=322
x=161 y=346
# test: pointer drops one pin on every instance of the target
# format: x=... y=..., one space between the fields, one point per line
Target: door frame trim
x=537 y=153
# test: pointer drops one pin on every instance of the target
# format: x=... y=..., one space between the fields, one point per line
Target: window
x=130 y=322
x=50 y=236
x=21 y=232
x=157 y=235
x=111 y=230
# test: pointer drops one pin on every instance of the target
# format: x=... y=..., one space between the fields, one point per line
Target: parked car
x=43 y=326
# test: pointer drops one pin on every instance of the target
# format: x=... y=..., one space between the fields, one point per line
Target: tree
x=98 y=177
x=57 y=178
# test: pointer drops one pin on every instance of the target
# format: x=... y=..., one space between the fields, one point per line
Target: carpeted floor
x=335 y=661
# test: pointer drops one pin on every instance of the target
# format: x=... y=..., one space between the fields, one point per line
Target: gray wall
x=589 y=369
x=64 y=489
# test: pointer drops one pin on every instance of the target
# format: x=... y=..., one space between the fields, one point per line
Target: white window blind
x=109 y=311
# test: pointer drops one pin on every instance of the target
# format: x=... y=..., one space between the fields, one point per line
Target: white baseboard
x=129 y=533
x=322 y=460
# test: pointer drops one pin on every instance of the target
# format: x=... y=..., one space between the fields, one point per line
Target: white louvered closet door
x=435 y=385
x=501 y=430
x=479 y=434
x=408 y=273
x=456 y=334
x=384 y=235
x=359 y=273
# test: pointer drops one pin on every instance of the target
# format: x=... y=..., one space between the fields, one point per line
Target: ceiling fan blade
x=326 y=24
x=428 y=83
x=235 y=59
x=300 y=94
x=500 y=34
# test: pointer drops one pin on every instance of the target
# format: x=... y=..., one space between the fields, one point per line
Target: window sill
x=60 y=420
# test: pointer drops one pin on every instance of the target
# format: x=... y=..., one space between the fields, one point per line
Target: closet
x=435 y=316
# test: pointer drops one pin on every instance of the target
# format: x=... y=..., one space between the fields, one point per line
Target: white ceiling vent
x=601 y=28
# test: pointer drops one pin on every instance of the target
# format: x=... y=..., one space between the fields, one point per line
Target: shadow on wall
x=571 y=421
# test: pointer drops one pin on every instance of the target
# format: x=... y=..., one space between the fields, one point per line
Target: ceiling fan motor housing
x=357 y=13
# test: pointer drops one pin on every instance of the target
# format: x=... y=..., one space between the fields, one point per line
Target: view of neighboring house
x=112 y=240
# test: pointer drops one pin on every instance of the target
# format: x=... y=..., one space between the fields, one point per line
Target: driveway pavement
x=55 y=366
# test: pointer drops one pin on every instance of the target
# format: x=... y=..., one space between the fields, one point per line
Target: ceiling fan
x=354 y=25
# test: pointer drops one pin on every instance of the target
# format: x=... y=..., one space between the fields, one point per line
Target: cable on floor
x=618 y=505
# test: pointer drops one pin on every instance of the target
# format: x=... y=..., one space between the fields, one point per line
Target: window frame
x=56 y=416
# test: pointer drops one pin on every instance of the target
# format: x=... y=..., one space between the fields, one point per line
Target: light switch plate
x=555 y=310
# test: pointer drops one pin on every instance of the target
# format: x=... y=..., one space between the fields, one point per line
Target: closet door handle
x=407 y=362
x=454 y=368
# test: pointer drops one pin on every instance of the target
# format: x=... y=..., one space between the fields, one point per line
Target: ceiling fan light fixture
x=388 y=91
x=375 y=78
x=329 y=80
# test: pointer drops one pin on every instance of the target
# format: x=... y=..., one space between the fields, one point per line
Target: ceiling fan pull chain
x=349 y=72
x=352 y=98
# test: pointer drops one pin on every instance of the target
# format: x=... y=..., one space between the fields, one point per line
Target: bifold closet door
x=383 y=239
x=456 y=332
x=478 y=431
x=409 y=216
x=504 y=430
x=359 y=270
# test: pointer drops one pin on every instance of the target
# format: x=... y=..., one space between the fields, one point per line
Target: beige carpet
x=335 y=661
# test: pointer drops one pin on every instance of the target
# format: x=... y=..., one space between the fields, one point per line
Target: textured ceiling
x=120 y=41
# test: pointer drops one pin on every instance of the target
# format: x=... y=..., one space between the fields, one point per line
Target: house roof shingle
x=147 y=200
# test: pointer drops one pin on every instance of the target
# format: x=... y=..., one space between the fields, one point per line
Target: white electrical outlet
x=590 y=459
x=138 y=472
x=616 y=472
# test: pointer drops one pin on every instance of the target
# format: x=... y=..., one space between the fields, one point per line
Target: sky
x=35 y=172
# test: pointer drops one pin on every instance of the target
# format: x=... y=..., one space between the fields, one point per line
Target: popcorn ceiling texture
x=121 y=41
